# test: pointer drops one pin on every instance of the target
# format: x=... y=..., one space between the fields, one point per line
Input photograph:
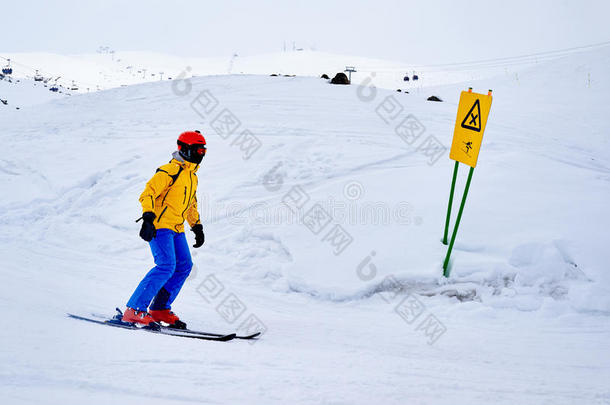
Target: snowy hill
x=92 y=72
x=524 y=317
x=25 y=93
x=125 y=68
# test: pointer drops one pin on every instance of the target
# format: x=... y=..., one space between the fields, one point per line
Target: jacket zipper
x=170 y=186
x=184 y=199
x=189 y=201
x=162 y=212
x=165 y=196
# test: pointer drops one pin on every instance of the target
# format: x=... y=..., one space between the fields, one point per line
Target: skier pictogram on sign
x=470 y=123
x=472 y=120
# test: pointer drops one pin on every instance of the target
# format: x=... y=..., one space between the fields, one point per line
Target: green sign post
x=470 y=123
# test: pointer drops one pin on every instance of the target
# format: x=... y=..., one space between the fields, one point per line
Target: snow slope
x=23 y=93
x=104 y=70
x=524 y=317
x=125 y=68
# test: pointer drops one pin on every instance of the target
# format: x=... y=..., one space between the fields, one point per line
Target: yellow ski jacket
x=170 y=194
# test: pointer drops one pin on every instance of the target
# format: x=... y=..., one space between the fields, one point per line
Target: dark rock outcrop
x=340 y=78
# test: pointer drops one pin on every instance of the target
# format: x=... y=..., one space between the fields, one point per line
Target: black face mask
x=192 y=153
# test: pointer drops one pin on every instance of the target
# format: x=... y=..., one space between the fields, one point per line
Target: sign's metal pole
x=457 y=224
x=455 y=171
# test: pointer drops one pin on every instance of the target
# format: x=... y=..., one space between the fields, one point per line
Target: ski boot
x=138 y=317
x=167 y=316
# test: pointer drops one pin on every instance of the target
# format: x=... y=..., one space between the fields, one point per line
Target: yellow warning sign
x=472 y=114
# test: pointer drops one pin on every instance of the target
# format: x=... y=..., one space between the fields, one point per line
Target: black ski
x=196 y=332
x=156 y=328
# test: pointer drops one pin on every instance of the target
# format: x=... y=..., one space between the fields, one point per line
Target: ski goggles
x=194 y=149
x=199 y=149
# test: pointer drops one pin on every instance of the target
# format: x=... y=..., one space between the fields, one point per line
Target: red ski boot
x=167 y=316
x=139 y=317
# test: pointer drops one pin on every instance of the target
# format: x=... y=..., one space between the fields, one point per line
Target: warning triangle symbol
x=472 y=120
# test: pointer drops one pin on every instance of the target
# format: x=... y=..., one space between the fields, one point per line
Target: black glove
x=148 y=231
x=199 y=236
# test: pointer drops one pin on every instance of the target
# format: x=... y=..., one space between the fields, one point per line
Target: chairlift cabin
x=7 y=70
x=37 y=77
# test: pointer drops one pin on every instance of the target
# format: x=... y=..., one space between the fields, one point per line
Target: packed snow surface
x=324 y=225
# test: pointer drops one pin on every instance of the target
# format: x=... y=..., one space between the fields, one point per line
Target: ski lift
x=7 y=70
x=406 y=78
x=415 y=77
x=74 y=87
x=37 y=77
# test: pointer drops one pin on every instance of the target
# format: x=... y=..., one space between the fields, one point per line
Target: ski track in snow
x=526 y=311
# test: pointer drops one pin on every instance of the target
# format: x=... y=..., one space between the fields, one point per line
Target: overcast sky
x=425 y=31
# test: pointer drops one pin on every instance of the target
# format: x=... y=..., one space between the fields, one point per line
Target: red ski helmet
x=192 y=146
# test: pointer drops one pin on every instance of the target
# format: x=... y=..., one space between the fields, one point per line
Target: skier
x=167 y=200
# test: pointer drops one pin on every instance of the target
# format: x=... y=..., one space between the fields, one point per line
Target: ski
x=116 y=322
x=195 y=332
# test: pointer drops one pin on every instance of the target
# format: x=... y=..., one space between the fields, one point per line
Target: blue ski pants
x=163 y=282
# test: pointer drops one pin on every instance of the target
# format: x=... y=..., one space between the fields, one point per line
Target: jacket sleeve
x=192 y=214
x=155 y=186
